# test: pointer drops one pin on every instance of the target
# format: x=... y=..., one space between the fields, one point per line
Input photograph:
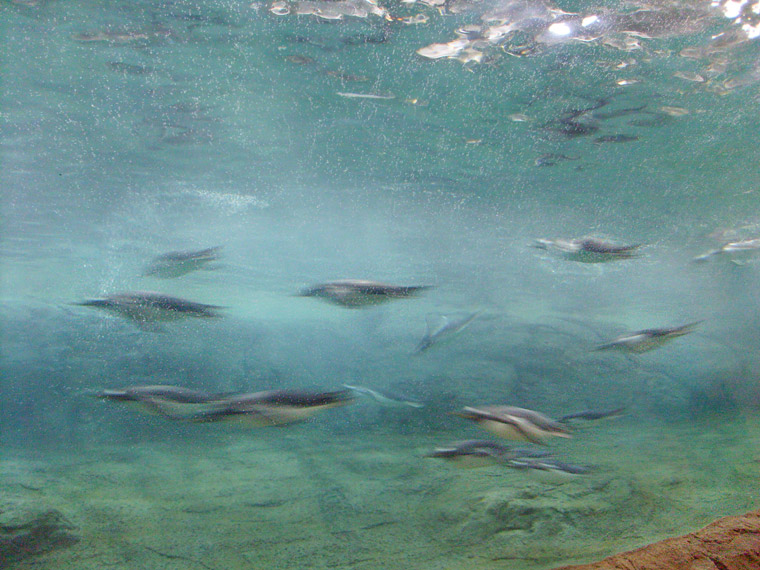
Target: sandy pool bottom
x=304 y=497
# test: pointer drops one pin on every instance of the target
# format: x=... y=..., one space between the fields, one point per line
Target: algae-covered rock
x=527 y=511
x=29 y=531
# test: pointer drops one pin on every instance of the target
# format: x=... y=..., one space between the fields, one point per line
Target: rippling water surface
x=410 y=143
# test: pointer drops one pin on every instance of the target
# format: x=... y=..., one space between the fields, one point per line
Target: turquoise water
x=134 y=129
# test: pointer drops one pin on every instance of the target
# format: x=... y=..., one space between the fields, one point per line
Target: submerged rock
x=518 y=513
x=26 y=532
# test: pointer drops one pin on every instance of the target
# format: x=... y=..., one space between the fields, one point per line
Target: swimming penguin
x=741 y=249
x=171 y=401
x=385 y=398
x=514 y=423
x=354 y=293
x=481 y=453
x=550 y=159
x=592 y=415
x=588 y=249
x=147 y=309
x=647 y=339
x=441 y=326
x=549 y=470
x=274 y=407
x=178 y=263
x=473 y=453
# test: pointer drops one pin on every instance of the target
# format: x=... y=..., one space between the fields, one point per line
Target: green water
x=129 y=130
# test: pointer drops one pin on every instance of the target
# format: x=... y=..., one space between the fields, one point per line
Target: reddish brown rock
x=730 y=543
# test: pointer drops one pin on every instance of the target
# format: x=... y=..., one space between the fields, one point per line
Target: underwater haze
x=349 y=235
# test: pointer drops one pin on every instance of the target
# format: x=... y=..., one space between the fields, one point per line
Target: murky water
x=412 y=144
